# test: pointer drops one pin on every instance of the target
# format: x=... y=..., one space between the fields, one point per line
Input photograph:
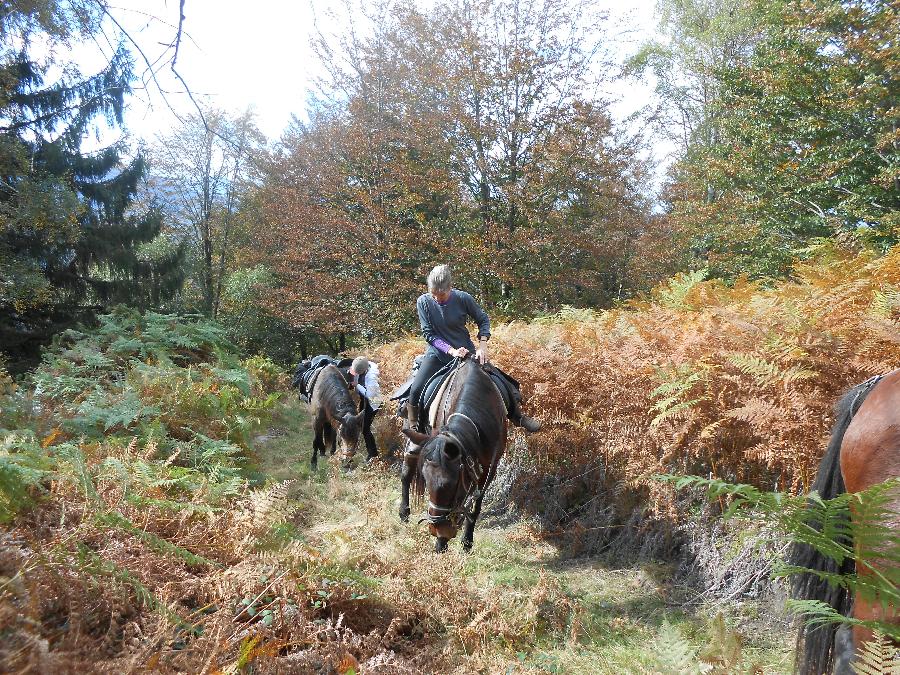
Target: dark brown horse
x=458 y=461
x=332 y=408
x=864 y=451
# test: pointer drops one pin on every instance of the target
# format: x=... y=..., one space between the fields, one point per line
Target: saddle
x=506 y=385
x=307 y=372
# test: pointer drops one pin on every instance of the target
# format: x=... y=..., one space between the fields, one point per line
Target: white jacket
x=372 y=389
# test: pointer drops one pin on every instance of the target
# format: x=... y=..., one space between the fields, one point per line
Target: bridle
x=863 y=391
x=470 y=476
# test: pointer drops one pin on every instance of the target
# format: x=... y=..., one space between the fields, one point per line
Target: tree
x=69 y=242
x=813 y=121
x=701 y=38
x=468 y=133
x=805 y=120
x=200 y=172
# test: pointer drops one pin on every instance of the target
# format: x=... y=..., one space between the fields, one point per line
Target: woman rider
x=443 y=311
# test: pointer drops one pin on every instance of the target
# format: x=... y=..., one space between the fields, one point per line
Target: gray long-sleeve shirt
x=447 y=322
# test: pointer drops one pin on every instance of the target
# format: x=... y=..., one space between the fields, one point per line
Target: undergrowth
x=701 y=378
x=140 y=532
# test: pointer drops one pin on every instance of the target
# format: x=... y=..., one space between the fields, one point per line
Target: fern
x=271 y=505
x=24 y=465
x=676 y=385
x=761 y=370
x=826 y=526
x=92 y=564
x=675 y=655
x=114 y=519
x=886 y=304
x=877 y=656
x=674 y=295
x=72 y=464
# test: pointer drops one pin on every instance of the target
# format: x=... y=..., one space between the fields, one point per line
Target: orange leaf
x=56 y=433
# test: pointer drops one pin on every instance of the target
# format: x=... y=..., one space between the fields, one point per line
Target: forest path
x=512 y=605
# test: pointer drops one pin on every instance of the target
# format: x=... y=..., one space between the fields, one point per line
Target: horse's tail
x=815 y=644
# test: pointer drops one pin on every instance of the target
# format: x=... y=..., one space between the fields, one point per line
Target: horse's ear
x=415 y=436
x=346 y=419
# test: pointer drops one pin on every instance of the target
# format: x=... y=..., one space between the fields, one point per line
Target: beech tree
x=200 y=171
x=468 y=133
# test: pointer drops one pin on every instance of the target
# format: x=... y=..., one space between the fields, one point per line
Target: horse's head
x=349 y=429
x=441 y=466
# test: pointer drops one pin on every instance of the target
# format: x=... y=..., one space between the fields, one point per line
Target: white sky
x=241 y=54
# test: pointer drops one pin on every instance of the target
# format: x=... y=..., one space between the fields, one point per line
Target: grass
x=285 y=445
x=515 y=604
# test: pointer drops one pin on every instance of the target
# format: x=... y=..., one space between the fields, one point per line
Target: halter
x=863 y=391
x=470 y=472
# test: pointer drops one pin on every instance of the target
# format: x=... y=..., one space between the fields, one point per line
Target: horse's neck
x=340 y=403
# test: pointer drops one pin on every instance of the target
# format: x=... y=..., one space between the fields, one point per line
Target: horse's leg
x=469 y=531
x=318 y=445
x=407 y=473
x=440 y=544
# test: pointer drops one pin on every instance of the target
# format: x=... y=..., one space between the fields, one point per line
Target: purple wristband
x=441 y=344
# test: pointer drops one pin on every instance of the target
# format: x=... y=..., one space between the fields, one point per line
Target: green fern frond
x=675 y=655
x=826 y=525
x=886 y=304
x=675 y=293
x=114 y=519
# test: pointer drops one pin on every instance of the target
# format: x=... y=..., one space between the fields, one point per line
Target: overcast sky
x=240 y=54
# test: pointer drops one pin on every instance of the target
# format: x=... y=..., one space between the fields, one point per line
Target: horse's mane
x=473 y=389
x=815 y=653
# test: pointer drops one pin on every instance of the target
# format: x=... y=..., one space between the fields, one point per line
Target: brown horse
x=332 y=407
x=458 y=461
x=864 y=451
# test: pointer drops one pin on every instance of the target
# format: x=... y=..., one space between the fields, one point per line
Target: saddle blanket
x=506 y=385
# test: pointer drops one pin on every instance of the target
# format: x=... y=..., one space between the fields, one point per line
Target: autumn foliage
x=702 y=378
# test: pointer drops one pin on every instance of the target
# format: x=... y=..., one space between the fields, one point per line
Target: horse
x=332 y=406
x=864 y=450
x=459 y=459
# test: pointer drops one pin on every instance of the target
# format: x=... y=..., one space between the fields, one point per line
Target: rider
x=363 y=377
x=443 y=311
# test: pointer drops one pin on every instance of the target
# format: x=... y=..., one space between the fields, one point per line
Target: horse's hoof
x=440 y=545
x=404 y=516
x=467 y=546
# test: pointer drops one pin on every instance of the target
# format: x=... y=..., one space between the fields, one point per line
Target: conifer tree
x=70 y=241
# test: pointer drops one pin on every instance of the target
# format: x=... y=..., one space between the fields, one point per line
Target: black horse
x=458 y=461
x=332 y=407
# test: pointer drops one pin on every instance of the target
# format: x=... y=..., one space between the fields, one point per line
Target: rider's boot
x=520 y=419
x=412 y=416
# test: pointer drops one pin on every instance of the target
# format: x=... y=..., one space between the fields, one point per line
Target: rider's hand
x=482 y=354
x=460 y=352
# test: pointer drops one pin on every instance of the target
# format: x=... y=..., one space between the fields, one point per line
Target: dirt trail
x=514 y=604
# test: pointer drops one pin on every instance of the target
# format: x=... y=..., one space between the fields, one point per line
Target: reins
x=471 y=473
x=862 y=391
